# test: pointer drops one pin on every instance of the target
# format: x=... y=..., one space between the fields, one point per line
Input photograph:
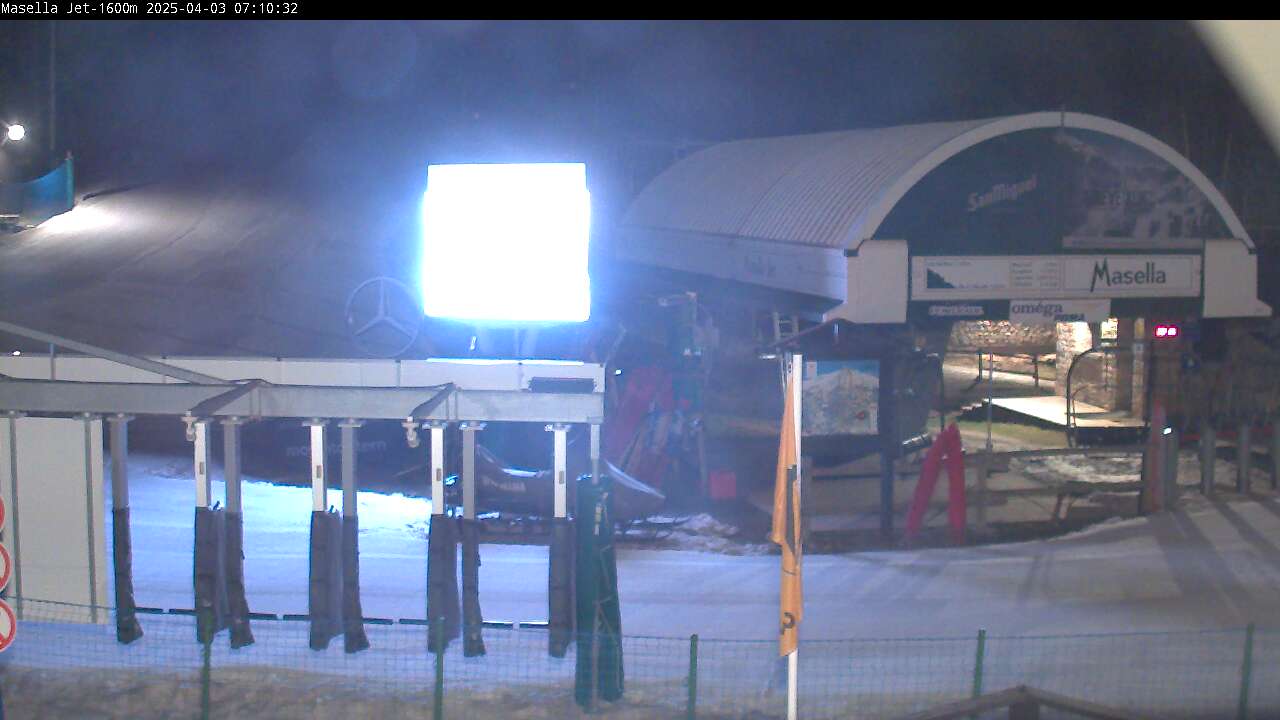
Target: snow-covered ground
x=1211 y=566
x=1083 y=614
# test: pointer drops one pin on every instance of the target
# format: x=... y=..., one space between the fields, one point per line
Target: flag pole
x=793 y=660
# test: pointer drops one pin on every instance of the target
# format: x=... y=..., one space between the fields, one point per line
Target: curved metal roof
x=832 y=190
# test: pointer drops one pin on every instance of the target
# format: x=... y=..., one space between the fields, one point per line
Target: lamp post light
x=15 y=132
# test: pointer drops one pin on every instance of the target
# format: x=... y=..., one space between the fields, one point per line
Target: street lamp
x=15 y=132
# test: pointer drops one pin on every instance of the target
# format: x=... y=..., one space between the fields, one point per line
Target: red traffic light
x=1166 y=331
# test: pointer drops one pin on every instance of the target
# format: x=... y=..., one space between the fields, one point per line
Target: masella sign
x=1045 y=221
x=1032 y=277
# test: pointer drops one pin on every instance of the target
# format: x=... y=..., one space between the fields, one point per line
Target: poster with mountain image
x=841 y=398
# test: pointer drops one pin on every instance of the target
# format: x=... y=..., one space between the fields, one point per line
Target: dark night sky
x=139 y=99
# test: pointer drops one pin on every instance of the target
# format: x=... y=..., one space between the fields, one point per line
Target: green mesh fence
x=65 y=665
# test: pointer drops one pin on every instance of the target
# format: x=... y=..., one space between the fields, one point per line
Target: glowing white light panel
x=506 y=243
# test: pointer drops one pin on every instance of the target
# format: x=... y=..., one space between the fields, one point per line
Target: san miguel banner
x=1053 y=191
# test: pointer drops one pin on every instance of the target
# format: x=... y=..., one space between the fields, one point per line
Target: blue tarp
x=38 y=200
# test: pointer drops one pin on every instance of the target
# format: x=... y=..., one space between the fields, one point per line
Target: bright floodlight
x=16 y=132
x=506 y=243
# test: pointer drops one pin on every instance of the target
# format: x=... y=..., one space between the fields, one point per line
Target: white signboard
x=1033 y=277
x=1047 y=312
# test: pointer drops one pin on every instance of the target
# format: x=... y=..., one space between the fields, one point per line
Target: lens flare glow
x=507 y=243
x=81 y=218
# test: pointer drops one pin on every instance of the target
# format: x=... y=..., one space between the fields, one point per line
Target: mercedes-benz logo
x=383 y=317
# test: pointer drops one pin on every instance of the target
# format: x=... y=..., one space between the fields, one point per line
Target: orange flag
x=786 y=529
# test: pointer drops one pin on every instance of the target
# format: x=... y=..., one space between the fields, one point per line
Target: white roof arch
x=833 y=190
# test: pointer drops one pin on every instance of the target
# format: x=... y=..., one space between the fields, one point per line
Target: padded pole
x=127 y=627
x=324 y=591
x=209 y=554
x=354 y=637
x=237 y=603
x=443 y=615
x=209 y=575
x=472 y=618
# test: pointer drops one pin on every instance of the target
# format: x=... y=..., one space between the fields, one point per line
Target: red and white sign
x=6 y=567
x=8 y=626
x=8 y=621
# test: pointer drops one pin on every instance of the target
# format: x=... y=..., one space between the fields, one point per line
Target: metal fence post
x=979 y=661
x=437 y=697
x=1246 y=674
x=692 y=707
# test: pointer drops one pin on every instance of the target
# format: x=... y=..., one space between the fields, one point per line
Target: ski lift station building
x=1055 y=214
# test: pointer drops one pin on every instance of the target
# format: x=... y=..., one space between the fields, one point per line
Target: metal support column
x=13 y=533
x=203 y=464
x=1169 y=467
x=1275 y=453
x=890 y=446
x=561 y=479
x=472 y=618
x=469 y=468
x=348 y=429
x=1244 y=454
x=560 y=571
x=319 y=502
x=127 y=627
x=354 y=637
x=595 y=450
x=231 y=462
x=437 y=465
x=1208 y=455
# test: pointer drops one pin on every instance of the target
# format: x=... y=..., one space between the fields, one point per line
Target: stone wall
x=1002 y=334
x=1104 y=379
x=1072 y=339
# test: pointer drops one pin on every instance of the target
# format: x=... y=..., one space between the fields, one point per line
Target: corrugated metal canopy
x=832 y=190
x=807 y=189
